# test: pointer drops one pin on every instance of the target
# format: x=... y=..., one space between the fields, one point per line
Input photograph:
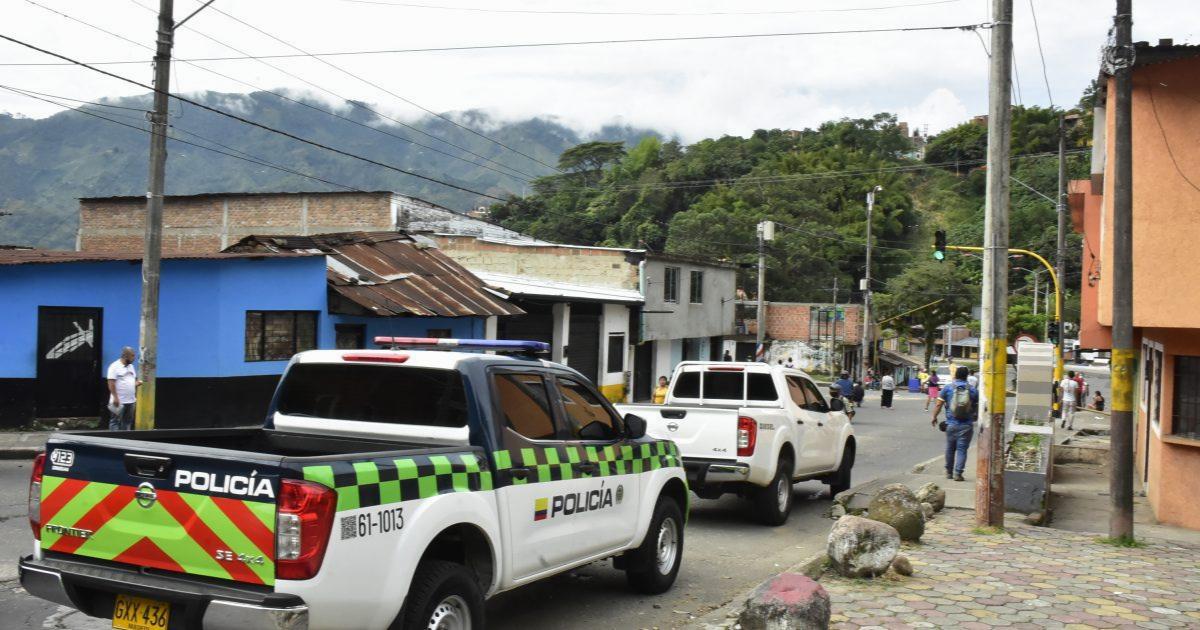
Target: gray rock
x=930 y=493
x=843 y=498
x=902 y=565
x=786 y=602
x=1036 y=518
x=861 y=547
x=837 y=511
x=927 y=511
x=896 y=505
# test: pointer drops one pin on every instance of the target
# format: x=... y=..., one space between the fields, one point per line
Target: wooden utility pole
x=1120 y=479
x=151 y=260
x=989 y=484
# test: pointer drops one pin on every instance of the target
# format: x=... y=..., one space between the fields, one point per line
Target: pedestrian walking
x=1068 y=391
x=122 y=391
x=960 y=401
x=973 y=379
x=858 y=393
x=727 y=356
x=933 y=388
x=660 y=392
x=887 y=386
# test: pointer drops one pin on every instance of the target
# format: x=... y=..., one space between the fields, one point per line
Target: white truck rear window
x=374 y=393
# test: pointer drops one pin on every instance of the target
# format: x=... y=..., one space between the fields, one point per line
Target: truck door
x=820 y=432
x=609 y=479
x=535 y=475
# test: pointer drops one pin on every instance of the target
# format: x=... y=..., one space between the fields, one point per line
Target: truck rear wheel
x=443 y=596
x=652 y=567
x=773 y=504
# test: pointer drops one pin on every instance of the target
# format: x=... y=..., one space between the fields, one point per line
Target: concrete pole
x=1061 y=255
x=868 y=331
x=1120 y=479
x=834 y=348
x=151 y=259
x=989 y=485
x=760 y=351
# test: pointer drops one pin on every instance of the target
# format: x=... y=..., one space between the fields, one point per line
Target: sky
x=691 y=89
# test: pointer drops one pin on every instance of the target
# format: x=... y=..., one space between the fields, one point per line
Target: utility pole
x=833 y=344
x=868 y=331
x=766 y=232
x=1061 y=255
x=1036 y=292
x=1120 y=476
x=151 y=260
x=989 y=484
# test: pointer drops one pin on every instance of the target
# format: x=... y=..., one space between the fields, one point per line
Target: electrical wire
x=1167 y=141
x=389 y=92
x=599 y=42
x=1038 y=34
x=437 y=7
x=251 y=123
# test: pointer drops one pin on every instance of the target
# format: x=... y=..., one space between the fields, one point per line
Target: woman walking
x=933 y=387
x=887 y=386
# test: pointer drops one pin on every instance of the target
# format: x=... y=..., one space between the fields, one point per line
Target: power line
x=437 y=7
x=644 y=40
x=252 y=123
x=383 y=89
x=292 y=100
x=1038 y=34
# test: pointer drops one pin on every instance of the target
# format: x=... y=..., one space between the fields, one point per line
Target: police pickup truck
x=388 y=488
x=753 y=429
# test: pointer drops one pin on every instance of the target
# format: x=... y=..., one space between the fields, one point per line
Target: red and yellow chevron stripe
x=183 y=532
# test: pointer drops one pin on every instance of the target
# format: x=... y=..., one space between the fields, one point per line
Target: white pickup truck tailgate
x=701 y=432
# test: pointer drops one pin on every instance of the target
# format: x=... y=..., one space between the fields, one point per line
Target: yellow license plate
x=139 y=613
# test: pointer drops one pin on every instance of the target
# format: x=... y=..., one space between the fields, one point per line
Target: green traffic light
x=939 y=255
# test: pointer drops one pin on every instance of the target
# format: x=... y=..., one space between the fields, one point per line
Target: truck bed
x=252 y=442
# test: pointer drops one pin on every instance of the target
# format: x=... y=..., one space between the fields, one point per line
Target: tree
x=589 y=158
x=913 y=290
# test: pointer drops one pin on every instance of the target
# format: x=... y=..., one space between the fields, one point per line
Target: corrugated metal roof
x=223 y=195
x=49 y=256
x=392 y=274
x=537 y=287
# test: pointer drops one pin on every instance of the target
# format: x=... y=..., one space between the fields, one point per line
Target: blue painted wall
x=460 y=327
x=202 y=318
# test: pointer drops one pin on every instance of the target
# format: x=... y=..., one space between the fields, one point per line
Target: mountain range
x=101 y=149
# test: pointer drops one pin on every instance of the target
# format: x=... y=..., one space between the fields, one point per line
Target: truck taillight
x=35 y=496
x=747 y=436
x=302 y=528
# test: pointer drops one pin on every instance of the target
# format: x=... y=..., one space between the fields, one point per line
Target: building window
x=697 y=287
x=671 y=284
x=616 y=353
x=277 y=335
x=1185 y=414
x=349 y=336
x=437 y=333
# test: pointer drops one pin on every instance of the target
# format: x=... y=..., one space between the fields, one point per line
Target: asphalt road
x=725 y=553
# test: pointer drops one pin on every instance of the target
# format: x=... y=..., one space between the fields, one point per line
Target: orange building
x=1166 y=276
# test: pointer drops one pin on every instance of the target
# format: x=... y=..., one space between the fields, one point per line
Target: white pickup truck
x=753 y=429
x=388 y=489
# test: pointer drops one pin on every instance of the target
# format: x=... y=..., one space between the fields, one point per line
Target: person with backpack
x=961 y=402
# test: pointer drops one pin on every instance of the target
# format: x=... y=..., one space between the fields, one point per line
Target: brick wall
x=208 y=223
x=576 y=265
x=791 y=321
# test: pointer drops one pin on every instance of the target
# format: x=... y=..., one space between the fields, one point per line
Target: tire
x=840 y=481
x=773 y=504
x=653 y=566
x=443 y=595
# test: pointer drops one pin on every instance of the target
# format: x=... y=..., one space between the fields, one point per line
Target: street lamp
x=867 y=330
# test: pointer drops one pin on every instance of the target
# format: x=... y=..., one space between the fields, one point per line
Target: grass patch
x=988 y=531
x=1122 y=541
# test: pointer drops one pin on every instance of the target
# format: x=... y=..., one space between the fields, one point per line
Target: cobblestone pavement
x=1028 y=577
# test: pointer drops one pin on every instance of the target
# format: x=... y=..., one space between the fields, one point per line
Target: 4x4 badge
x=146 y=495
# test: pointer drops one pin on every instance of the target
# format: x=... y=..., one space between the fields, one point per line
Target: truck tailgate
x=699 y=432
x=173 y=508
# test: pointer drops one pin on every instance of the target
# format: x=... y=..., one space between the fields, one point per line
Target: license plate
x=139 y=613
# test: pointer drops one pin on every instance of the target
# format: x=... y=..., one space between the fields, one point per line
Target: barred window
x=697 y=288
x=671 y=284
x=1185 y=413
x=277 y=335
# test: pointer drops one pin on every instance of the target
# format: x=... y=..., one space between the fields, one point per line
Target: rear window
x=687 y=385
x=761 y=387
x=726 y=386
x=375 y=393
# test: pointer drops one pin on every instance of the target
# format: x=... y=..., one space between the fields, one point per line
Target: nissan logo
x=145 y=495
x=672 y=426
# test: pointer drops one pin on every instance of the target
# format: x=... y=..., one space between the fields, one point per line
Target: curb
x=20 y=452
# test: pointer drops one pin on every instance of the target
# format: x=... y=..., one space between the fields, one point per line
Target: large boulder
x=930 y=493
x=789 y=601
x=861 y=547
x=897 y=506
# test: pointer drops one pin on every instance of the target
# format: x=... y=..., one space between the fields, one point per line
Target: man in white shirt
x=887 y=388
x=1069 y=389
x=973 y=379
x=122 y=391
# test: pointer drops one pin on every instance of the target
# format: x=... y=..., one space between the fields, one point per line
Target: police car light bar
x=433 y=343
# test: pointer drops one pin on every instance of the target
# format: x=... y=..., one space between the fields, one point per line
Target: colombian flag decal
x=539 y=509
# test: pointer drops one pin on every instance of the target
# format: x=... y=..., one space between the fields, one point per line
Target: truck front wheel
x=443 y=596
x=652 y=567
x=773 y=504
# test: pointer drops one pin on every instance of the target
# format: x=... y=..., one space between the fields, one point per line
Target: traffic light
x=1052 y=332
x=939 y=245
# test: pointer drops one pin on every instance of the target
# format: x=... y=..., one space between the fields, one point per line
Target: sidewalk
x=1028 y=577
x=22 y=444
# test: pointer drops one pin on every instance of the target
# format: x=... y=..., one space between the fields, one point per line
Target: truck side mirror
x=836 y=404
x=635 y=427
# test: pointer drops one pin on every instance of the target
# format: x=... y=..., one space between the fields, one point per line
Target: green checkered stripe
x=380 y=481
x=557 y=463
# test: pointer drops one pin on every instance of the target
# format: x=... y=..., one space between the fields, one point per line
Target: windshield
x=374 y=393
